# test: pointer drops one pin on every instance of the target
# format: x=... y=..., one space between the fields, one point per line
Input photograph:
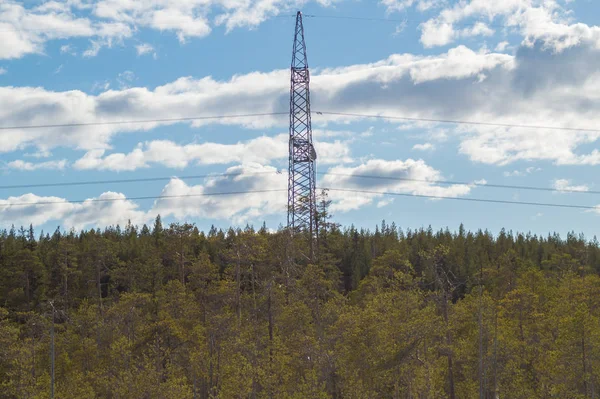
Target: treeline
x=172 y=312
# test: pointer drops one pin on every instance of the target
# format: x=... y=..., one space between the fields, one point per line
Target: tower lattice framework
x=302 y=162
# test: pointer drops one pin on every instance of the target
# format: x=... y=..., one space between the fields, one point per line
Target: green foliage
x=169 y=312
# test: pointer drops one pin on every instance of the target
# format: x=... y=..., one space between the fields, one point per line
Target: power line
x=85 y=31
x=346 y=190
x=355 y=115
x=450 y=182
x=162 y=120
x=406 y=21
x=135 y=180
x=359 y=176
x=139 y=198
x=89 y=31
x=545 y=204
x=45 y=30
x=457 y=122
x=349 y=17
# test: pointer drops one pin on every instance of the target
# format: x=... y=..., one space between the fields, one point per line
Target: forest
x=174 y=312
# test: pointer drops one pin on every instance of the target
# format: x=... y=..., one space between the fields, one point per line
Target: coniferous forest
x=172 y=312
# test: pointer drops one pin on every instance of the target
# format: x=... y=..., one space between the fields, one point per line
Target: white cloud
x=400 y=27
x=408 y=177
x=13 y=211
x=144 y=48
x=251 y=13
x=436 y=33
x=3 y=71
x=111 y=208
x=260 y=150
x=29 y=166
x=385 y=202
x=167 y=153
x=545 y=20
x=565 y=185
x=258 y=191
x=27 y=28
x=537 y=216
x=192 y=201
x=39 y=154
x=319 y=134
x=478 y=29
x=536 y=86
x=502 y=46
x=124 y=79
x=367 y=133
x=93 y=50
x=524 y=172
x=332 y=152
x=191 y=18
x=184 y=24
x=97 y=86
x=423 y=147
x=107 y=209
x=67 y=49
x=250 y=93
x=401 y=5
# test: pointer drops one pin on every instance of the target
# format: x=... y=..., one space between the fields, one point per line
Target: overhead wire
x=456 y=122
x=440 y=197
x=353 y=18
x=338 y=189
x=82 y=31
x=439 y=23
x=37 y=203
x=140 y=121
x=87 y=31
x=318 y=112
x=348 y=175
x=209 y=117
x=452 y=183
x=398 y=20
x=44 y=30
x=134 y=180
x=406 y=21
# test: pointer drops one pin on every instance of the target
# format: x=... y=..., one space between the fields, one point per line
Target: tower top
x=299 y=59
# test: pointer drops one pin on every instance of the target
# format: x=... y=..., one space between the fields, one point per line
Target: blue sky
x=510 y=62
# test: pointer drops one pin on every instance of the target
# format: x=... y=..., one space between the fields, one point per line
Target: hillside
x=175 y=313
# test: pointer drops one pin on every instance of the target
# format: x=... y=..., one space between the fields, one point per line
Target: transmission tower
x=302 y=180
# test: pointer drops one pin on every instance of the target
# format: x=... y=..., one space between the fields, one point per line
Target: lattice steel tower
x=301 y=184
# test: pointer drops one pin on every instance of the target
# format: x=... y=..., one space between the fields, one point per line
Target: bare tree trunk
x=33 y=359
x=238 y=287
x=99 y=285
x=210 y=366
x=66 y=289
x=181 y=261
x=158 y=360
x=270 y=312
x=584 y=360
x=449 y=343
x=496 y=394
x=480 y=322
x=27 y=289
x=66 y=280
